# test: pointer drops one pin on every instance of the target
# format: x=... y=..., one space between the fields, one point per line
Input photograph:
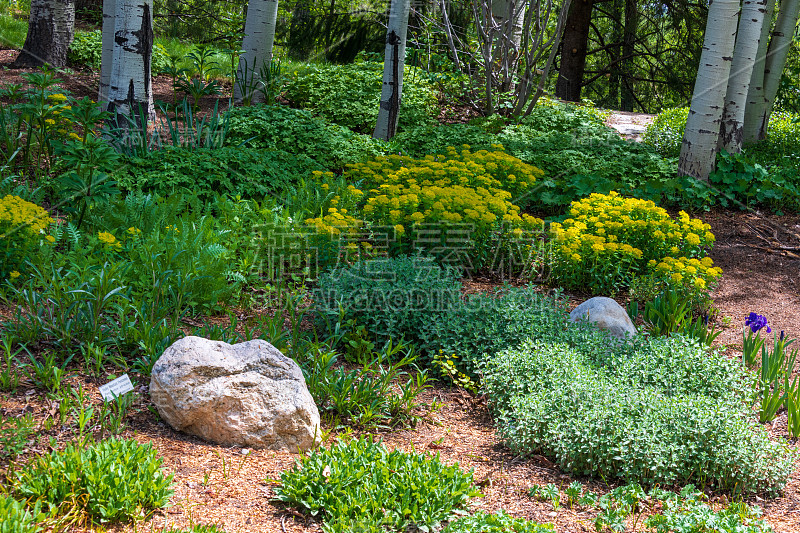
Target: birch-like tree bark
x=130 y=90
x=755 y=93
x=107 y=54
x=51 y=27
x=509 y=16
x=259 y=37
x=748 y=36
x=393 y=64
x=699 y=148
x=779 y=45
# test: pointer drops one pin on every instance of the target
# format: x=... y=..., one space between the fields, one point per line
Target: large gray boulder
x=606 y=314
x=246 y=394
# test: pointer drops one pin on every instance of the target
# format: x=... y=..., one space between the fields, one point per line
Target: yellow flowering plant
x=460 y=199
x=22 y=227
x=606 y=241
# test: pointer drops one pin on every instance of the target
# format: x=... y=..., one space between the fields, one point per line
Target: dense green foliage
x=87 y=47
x=299 y=132
x=205 y=172
x=360 y=485
x=17 y=518
x=111 y=480
x=349 y=95
x=660 y=411
x=482 y=522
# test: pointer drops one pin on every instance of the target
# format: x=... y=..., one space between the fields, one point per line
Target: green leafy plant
x=667 y=313
x=665 y=133
x=111 y=480
x=574 y=492
x=683 y=410
x=501 y=522
x=401 y=491
x=14 y=435
x=9 y=375
x=18 y=517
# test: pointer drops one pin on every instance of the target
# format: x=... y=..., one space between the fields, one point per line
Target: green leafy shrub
x=420 y=141
x=665 y=133
x=658 y=411
x=349 y=95
x=86 y=49
x=22 y=228
x=207 y=172
x=688 y=513
x=482 y=522
x=739 y=180
x=361 y=486
x=17 y=518
x=414 y=299
x=276 y=127
x=111 y=480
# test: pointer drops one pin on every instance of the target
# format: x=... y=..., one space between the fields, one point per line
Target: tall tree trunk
x=615 y=53
x=130 y=91
x=573 y=51
x=751 y=21
x=779 y=45
x=107 y=54
x=259 y=36
x=393 y=63
x=628 y=49
x=755 y=93
x=51 y=27
x=300 y=43
x=699 y=148
x=509 y=15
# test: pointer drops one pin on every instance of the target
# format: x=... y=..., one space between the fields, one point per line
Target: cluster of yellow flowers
x=21 y=224
x=692 y=273
x=18 y=215
x=334 y=222
x=608 y=239
x=109 y=240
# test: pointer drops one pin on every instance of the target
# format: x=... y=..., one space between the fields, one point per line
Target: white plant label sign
x=115 y=389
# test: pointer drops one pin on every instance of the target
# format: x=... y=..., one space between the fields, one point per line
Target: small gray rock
x=247 y=394
x=606 y=314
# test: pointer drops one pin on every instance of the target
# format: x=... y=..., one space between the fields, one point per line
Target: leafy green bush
x=87 y=47
x=276 y=127
x=412 y=298
x=349 y=95
x=665 y=133
x=688 y=513
x=482 y=522
x=16 y=518
x=420 y=141
x=206 y=172
x=658 y=411
x=361 y=486
x=111 y=480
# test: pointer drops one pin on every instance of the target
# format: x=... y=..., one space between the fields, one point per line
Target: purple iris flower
x=757 y=322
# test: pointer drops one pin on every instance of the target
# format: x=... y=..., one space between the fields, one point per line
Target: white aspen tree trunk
x=748 y=35
x=130 y=86
x=107 y=56
x=509 y=15
x=51 y=27
x=779 y=45
x=755 y=93
x=393 y=63
x=699 y=148
x=259 y=37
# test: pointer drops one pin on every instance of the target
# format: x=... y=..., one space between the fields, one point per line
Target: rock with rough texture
x=606 y=314
x=246 y=394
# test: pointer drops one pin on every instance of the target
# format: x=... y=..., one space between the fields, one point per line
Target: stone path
x=631 y=126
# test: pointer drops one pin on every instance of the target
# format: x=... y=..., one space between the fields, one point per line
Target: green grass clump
x=657 y=411
x=111 y=480
x=361 y=486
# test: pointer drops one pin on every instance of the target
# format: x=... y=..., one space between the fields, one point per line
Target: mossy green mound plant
x=109 y=481
x=657 y=411
x=362 y=486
